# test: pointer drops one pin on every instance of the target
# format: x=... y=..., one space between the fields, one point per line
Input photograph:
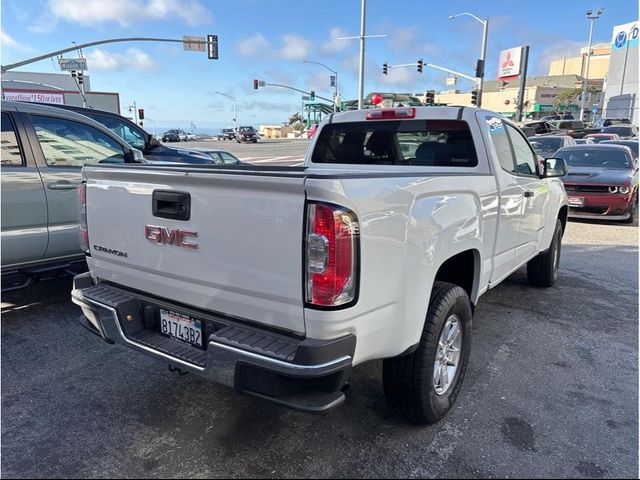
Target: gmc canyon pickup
x=277 y=281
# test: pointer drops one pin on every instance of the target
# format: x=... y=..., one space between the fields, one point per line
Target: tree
x=295 y=118
x=567 y=97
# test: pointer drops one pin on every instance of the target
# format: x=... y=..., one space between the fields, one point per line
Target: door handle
x=62 y=186
x=528 y=194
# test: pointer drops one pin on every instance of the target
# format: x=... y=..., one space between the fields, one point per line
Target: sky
x=269 y=39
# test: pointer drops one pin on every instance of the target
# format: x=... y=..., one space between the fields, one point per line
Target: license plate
x=576 y=201
x=181 y=327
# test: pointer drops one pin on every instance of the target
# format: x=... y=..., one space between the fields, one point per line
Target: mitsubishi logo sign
x=509 y=63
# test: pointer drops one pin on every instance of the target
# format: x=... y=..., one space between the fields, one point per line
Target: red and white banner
x=38 y=96
x=509 y=64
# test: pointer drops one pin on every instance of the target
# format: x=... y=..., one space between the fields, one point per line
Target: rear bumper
x=304 y=374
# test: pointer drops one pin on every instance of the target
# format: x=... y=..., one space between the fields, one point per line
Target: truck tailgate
x=249 y=227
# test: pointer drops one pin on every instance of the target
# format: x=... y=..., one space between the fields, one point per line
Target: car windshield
x=595 y=158
x=545 y=144
x=625 y=131
x=247 y=129
x=627 y=143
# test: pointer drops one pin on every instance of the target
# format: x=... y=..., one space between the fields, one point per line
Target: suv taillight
x=331 y=255
x=82 y=224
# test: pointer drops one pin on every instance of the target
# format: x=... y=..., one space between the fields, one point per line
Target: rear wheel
x=542 y=271
x=423 y=385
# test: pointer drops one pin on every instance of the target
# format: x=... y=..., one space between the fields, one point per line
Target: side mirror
x=134 y=156
x=152 y=142
x=554 y=167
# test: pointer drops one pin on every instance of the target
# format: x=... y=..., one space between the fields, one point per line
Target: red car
x=599 y=137
x=312 y=130
x=602 y=181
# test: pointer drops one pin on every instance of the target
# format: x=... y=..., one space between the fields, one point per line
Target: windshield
x=627 y=143
x=548 y=144
x=625 y=131
x=595 y=158
x=435 y=143
x=130 y=134
x=247 y=129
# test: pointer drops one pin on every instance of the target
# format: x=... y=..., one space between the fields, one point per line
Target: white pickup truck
x=277 y=281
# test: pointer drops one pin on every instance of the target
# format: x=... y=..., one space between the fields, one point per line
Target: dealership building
x=621 y=91
x=56 y=88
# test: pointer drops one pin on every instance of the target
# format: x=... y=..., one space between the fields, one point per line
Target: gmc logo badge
x=173 y=236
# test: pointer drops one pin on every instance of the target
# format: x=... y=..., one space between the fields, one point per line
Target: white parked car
x=278 y=281
x=191 y=137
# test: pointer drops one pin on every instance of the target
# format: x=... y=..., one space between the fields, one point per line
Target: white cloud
x=334 y=45
x=122 y=12
x=132 y=59
x=7 y=40
x=254 y=46
x=295 y=47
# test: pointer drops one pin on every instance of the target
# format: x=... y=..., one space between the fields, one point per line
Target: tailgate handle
x=171 y=204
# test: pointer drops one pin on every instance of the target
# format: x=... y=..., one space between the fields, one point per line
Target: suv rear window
x=432 y=143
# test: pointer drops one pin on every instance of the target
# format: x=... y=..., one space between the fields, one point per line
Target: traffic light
x=80 y=77
x=430 y=97
x=255 y=84
x=312 y=95
x=474 y=97
x=480 y=69
x=420 y=65
x=385 y=68
x=141 y=113
x=73 y=73
x=212 y=47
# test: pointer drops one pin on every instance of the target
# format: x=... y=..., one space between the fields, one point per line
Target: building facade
x=598 y=65
x=55 y=88
x=621 y=98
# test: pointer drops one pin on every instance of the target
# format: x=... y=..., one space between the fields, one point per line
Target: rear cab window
x=430 y=143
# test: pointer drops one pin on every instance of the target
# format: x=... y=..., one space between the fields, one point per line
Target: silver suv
x=43 y=151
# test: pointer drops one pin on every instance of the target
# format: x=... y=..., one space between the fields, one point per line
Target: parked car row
x=177 y=135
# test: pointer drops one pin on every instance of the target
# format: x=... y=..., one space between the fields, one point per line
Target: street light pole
x=335 y=86
x=585 y=80
x=235 y=117
x=483 y=50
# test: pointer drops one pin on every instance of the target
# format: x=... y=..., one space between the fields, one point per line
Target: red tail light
x=82 y=223
x=331 y=255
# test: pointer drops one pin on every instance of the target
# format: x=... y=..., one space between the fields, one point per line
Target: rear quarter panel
x=408 y=227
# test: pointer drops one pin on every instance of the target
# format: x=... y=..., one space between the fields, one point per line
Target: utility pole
x=585 y=80
x=135 y=112
x=362 y=37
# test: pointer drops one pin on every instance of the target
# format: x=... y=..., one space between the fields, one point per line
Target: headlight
x=613 y=189
x=624 y=190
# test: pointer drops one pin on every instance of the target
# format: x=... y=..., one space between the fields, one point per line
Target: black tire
x=542 y=271
x=633 y=210
x=408 y=382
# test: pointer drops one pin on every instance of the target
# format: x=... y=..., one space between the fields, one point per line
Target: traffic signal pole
x=6 y=68
x=296 y=90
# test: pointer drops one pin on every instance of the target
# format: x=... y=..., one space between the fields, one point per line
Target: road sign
x=333 y=80
x=452 y=80
x=73 y=63
x=595 y=108
x=212 y=47
x=194 y=44
x=261 y=83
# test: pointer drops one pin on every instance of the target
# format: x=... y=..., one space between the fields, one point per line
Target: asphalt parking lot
x=551 y=391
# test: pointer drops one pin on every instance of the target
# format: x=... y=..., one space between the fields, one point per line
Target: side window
x=525 y=158
x=129 y=134
x=11 y=154
x=66 y=143
x=501 y=143
x=228 y=158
